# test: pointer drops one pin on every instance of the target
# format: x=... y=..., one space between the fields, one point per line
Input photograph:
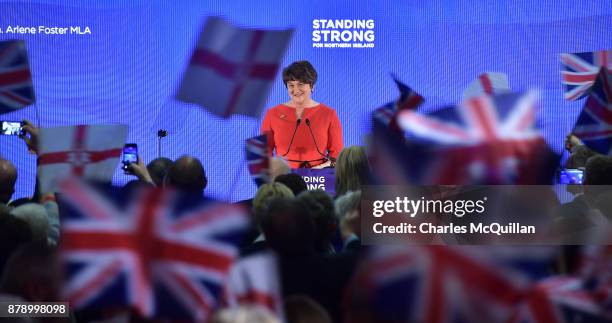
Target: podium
x=324 y=179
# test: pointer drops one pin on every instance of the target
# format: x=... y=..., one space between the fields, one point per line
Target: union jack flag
x=16 y=89
x=258 y=159
x=580 y=70
x=436 y=284
x=594 y=125
x=162 y=254
x=408 y=100
x=485 y=140
x=560 y=299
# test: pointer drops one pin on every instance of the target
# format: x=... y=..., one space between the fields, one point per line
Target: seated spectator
x=320 y=206
x=187 y=174
x=303 y=309
x=278 y=166
x=33 y=273
x=294 y=181
x=158 y=168
x=8 y=178
x=261 y=201
x=348 y=211
x=352 y=170
x=35 y=216
x=14 y=233
x=291 y=233
x=244 y=314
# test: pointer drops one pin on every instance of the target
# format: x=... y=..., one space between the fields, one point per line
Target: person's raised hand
x=31 y=136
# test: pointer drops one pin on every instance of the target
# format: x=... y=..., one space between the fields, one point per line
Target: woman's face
x=299 y=92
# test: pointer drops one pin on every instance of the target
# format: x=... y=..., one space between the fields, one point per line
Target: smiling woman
x=304 y=132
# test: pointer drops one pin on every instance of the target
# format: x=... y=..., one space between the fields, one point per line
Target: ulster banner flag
x=91 y=152
x=232 y=69
x=487 y=83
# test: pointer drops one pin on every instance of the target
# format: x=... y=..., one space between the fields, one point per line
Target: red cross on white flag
x=90 y=151
x=487 y=83
x=232 y=69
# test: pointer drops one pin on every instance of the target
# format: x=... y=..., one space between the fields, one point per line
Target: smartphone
x=130 y=155
x=12 y=128
x=570 y=176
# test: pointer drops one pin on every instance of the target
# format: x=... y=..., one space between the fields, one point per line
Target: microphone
x=313 y=138
x=297 y=124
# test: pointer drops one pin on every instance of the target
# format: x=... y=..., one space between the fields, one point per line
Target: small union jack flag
x=258 y=159
x=435 y=284
x=16 y=89
x=162 y=254
x=408 y=100
x=560 y=299
x=580 y=70
x=485 y=140
x=594 y=125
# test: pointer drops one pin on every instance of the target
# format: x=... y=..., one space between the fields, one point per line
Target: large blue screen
x=128 y=69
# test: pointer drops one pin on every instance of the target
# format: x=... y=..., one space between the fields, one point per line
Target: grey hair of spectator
x=244 y=314
x=35 y=216
x=8 y=178
x=348 y=202
x=158 y=168
x=264 y=194
x=303 y=309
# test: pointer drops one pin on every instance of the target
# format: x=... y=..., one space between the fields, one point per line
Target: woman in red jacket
x=304 y=132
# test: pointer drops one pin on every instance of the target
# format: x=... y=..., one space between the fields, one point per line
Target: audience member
x=278 y=166
x=8 y=178
x=294 y=181
x=244 y=314
x=352 y=170
x=320 y=206
x=14 y=232
x=303 y=309
x=288 y=228
x=33 y=273
x=158 y=168
x=35 y=216
x=187 y=174
x=348 y=211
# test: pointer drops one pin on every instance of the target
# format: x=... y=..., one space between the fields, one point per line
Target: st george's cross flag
x=580 y=70
x=87 y=151
x=16 y=89
x=254 y=280
x=232 y=68
x=594 y=125
x=162 y=253
x=487 y=83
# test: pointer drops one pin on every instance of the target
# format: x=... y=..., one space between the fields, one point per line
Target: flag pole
x=240 y=169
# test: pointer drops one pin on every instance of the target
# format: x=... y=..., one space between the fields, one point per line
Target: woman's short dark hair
x=301 y=71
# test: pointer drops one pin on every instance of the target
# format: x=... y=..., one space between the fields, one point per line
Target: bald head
x=8 y=177
x=187 y=174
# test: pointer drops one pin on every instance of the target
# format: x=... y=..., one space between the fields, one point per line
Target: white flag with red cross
x=487 y=83
x=232 y=69
x=87 y=151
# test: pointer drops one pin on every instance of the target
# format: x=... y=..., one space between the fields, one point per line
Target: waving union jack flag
x=162 y=254
x=594 y=125
x=408 y=100
x=258 y=158
x=580 y=70
x=560 y=299
x=485 y=140
x=16 y=89
x=436 y=284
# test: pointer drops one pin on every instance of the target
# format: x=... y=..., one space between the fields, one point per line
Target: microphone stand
x=161 y=133
x=326 y=158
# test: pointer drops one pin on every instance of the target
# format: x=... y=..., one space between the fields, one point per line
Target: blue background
x=128 y=69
